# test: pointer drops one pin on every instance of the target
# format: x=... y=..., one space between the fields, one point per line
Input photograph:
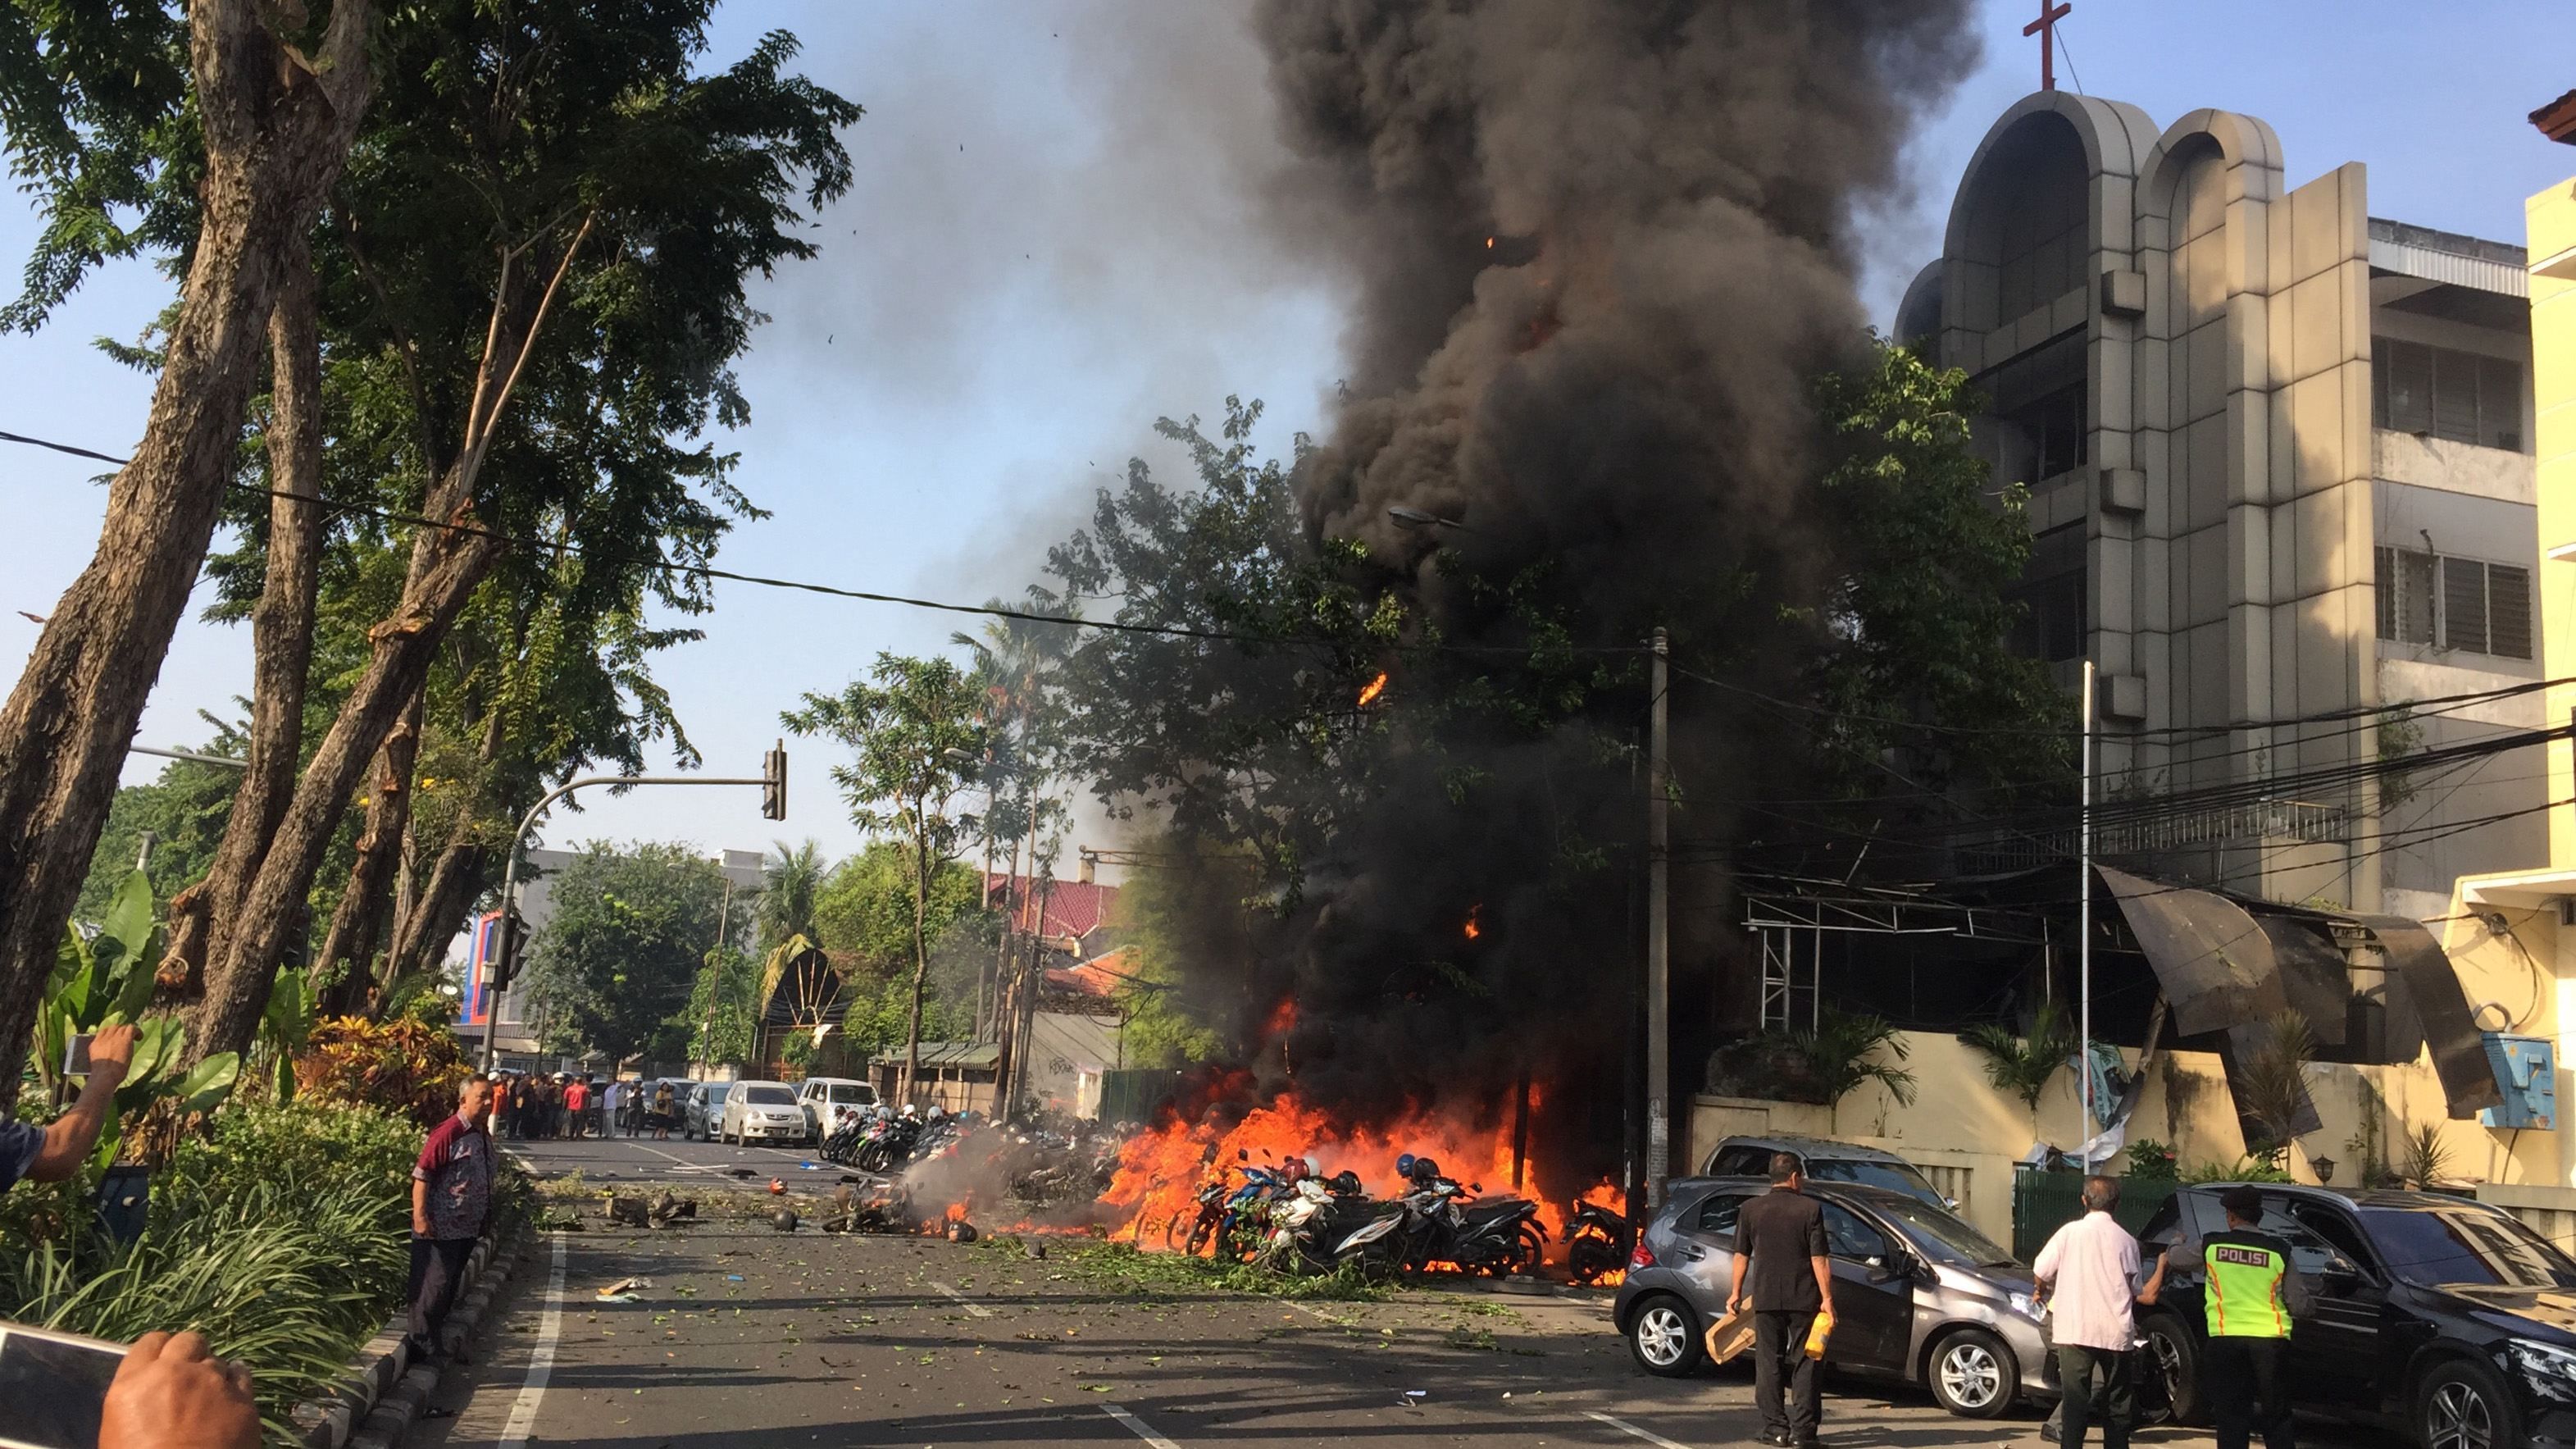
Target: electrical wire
x=709 y=571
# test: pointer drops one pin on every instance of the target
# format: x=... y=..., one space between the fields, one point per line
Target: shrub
x=404 y=1065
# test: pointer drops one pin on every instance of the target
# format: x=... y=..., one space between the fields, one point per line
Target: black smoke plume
x=1600 y=250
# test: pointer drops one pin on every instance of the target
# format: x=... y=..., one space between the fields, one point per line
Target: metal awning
x=2215 y=962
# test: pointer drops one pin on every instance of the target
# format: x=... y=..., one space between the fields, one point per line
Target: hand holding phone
x=173 y=1393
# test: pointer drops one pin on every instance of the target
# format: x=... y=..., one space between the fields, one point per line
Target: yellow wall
x=2551 y=221
x=1965 y=1134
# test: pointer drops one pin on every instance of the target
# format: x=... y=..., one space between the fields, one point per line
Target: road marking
x=685 y=1164
x=1137 y=1426
x=1624 y=1427
x=541 y=1359
x=973 y=1308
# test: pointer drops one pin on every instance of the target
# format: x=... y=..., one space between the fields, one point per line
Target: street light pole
x=2084 y=931
x=1658 y=938
x=510 y=872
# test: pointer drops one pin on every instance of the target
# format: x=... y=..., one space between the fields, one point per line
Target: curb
x=383 y=1389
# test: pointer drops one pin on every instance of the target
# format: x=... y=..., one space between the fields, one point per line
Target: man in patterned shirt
x=451 y=1198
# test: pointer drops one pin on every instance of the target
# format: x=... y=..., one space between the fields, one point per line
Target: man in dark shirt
x=451 y=1202
x=1782 y=1273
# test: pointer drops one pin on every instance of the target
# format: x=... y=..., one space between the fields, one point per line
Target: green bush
x=282 y=1238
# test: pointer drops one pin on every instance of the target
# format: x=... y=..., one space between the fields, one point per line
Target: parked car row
x=2446 y=1319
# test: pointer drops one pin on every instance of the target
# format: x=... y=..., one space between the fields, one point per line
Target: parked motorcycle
x=1597 y=1242
x=1439 y=1221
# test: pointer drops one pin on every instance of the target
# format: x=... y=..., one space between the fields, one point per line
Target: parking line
x=1624 y=1427
x=1137 y=1426
x=973 y=1308
x=541 y=1359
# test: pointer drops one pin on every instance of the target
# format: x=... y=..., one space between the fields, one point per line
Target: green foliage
x=2273 y=1087
x=613 y=969
x=790 y=879
x=726 y=995
x=285 y=1027
x=2150 y=1159
x=2423 y=1158
x=917 y=739
x=1920 y=619
x=864 y=910
x=2020 y=1067
x=280 y=1237
x=1253 y=742
x=1843 y=1052
x=401 y=1064
x=2400 y=733
x=184 y=810
x=1122 y=1267
x=2244 y=1169
x=107 y=978
x=1165 y=916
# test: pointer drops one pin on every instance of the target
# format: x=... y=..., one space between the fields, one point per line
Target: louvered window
x=2459 y=603
x=2462 y=397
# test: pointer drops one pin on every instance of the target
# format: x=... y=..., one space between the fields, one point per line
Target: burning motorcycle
x=1439 y=1221
x=1597 y=1242
x=1310 y=1219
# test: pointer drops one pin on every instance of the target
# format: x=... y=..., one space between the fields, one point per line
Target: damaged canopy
x=2224 y=969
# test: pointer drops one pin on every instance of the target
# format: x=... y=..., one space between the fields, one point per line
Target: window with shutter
x=2500 y=405
x=2508 y=611
x=2464 y=605
x=2462 y=397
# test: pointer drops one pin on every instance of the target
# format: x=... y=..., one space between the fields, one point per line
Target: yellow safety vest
x=2244 y=1288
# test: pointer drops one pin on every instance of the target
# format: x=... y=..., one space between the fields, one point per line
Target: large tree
x=613 y=968
x=92 y=99
x=917 y=739
x=545 y=240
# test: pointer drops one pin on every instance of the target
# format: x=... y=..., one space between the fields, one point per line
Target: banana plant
x=286 y=1027
x=106 y=978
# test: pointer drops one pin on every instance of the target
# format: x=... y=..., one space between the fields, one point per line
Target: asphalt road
x=750 y=1337
x=674 y=1162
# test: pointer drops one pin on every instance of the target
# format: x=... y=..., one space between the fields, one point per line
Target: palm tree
x=1842 y=1053
x=2274 y=1086
x=790 y=880
x=2024 y=1068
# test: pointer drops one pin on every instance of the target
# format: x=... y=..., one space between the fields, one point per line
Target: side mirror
x=2342 y=1270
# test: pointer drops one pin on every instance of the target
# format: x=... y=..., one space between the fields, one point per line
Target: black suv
x=2441 y=1316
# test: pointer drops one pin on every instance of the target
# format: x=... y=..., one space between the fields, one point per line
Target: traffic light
x=773 y=783
x=513 y=943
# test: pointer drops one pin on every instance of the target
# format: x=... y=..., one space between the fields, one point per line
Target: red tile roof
x=1100 y=976
x=1073 y=908
x=2557 y=120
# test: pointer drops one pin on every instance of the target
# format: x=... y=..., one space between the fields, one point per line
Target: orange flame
x=1160 y=1171
x=1474 y=930
x=1371 y=690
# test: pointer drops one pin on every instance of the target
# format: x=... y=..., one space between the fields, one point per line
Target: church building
x=2279 y=456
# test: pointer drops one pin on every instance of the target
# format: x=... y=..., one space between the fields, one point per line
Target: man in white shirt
x=2089 y=1274
x=616 y=1107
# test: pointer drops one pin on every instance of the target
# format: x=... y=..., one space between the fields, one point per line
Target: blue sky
x=1053 y=240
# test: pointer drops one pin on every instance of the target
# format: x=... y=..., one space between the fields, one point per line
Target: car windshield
x=769 y=1096
x=716 y=1092
x=1898 y=1175
x=1943 y=1238
x=853 y=1092
x=2465 y=1245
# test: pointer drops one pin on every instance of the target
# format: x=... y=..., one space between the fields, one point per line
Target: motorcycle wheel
x=1201 y=1233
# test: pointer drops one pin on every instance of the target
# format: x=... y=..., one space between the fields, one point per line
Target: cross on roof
x=2045 y=27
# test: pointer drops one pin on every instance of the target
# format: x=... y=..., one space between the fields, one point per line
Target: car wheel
x=2464 y=1405
x=1972 y=1374
x=1664 y=1337
x=2175 y=1363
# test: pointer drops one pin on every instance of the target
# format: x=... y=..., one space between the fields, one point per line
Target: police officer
x=2252 y=1293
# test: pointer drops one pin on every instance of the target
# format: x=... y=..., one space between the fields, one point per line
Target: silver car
x=1919 y=1296
x=702 y=1110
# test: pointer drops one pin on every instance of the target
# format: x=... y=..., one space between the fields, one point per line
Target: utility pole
x=2084 y=928
x=1659 y=1066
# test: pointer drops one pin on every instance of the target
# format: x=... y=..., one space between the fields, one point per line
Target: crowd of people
x=528 y=1106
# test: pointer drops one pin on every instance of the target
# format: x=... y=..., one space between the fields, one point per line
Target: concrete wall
x=1067 y=1053
x=2551 y=217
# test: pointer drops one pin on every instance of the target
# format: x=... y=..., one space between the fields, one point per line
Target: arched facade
x=2176 y=349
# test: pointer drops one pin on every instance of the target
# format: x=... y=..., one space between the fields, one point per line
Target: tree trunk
x=281 y=627
x=446 y=565
x=349 y=948
x=920 y=958
x=277 y=130
x=454 y=881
